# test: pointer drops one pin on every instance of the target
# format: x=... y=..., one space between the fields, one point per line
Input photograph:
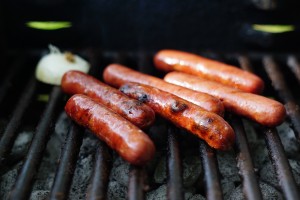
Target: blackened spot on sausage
x=124 y=88
x=178 y=107
x=143 y=97
x=209 y=120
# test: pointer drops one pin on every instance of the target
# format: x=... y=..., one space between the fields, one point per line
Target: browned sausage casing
x=258 y=108
x=116 y=75
x=76 y=82
x=131 y=143
x=206 y=125
x=172 y=60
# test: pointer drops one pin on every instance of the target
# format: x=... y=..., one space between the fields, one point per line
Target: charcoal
x=227 y=166
x=117 y=161
x=7 y=181
x=81 y=177
x=120 y=173
x=152 y=164
x=268 y=192
x=259 y=153
x=197 y=197
x=160 y=174
x=84 y=167
x=188 y=195
x=192 y=170
x=116 y=191
x=48 y=167
x=89 y=144
x=22 y=142
x=257 y=145
x=158 y=194
x=290 y=144
x=268 y=173
x=39 y=195
x=295 y=165
x=250 y=131
x=62 y=126
x=227 y=187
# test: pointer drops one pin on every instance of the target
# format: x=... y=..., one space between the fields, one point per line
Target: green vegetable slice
x=269 y=28
x=49 y=25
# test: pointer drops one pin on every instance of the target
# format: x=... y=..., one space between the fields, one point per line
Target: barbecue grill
x=60 y=160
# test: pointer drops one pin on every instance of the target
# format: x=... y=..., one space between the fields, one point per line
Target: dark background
x=150 y=25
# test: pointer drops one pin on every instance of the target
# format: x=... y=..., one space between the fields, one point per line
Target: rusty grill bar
x=137 y=188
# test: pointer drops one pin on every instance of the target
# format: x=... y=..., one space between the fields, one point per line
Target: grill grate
x=138 y=179
x=66 y=168
x=244 y=162
x=31 y=164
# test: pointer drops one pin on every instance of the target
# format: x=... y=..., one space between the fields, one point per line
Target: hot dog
x=76 y=82
x=258 y=108
x=131 y=143
x=116 y=75
x=206 y=125
x=172 y=60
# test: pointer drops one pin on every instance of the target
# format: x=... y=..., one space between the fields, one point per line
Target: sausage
x=258 y=108
x=76 y=82
x=116 y=75
x=131 y=143
x=206 y=125
x=172 y=60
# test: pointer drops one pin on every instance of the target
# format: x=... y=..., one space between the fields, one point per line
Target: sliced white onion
x=52 y=66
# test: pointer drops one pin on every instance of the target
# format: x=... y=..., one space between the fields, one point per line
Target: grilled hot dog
x=131 y=143
x=116 y=75
x=76 y=82
x=171 y=60
x=260 y=109
x=206 y=125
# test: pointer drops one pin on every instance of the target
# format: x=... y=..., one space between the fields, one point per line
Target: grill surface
x=138 y=179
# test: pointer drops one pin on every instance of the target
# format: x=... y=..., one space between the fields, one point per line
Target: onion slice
x=52 y=66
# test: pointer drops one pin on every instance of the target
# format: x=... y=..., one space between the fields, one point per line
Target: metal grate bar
x=244 y=162
x=175 y=182
x=245 y=63
x=100 y=177
x=279 y=84
x=294 y=65
x=9 y=134
x=65 y=171
x=22 y=187
x=276 y=151
x=211 y=174
x=136 y=183
x=282 y=167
